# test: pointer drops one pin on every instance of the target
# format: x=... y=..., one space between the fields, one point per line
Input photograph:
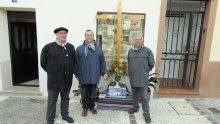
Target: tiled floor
x=162 y=110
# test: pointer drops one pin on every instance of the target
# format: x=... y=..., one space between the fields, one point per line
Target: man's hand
x=101 y=78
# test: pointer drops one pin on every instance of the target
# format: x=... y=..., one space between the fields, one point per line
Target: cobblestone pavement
x=209 y=108
x=25 y=109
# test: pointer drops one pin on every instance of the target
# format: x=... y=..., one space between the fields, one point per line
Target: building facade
x=36 y=20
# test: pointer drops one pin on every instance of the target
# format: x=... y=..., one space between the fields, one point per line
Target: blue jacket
x=91 y=67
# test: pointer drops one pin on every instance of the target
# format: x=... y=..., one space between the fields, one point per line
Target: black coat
x=60 y=65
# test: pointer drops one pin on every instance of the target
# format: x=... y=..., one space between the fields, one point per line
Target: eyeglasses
x=63 y=33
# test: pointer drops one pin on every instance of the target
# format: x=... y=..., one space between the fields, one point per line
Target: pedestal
x=115 y=99
x=117 y=92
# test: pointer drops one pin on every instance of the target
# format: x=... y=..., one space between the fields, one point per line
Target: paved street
x=27 y=109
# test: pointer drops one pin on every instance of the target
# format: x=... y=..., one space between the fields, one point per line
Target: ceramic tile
x=183 y=108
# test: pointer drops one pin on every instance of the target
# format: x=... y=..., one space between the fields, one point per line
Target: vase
x=117 y=84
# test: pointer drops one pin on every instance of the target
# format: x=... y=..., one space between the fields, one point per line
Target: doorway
x=182 y=39
x=23 y=47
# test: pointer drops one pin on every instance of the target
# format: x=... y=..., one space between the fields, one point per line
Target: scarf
x=60 y=44
x=89 y=46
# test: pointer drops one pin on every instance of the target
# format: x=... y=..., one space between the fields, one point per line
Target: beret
x=60 y=29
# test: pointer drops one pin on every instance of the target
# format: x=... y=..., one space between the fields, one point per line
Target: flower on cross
x=116 y=70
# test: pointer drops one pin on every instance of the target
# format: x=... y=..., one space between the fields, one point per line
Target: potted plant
x=152 y=82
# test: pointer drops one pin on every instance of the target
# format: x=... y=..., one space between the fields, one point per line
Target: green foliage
x=152 y=82
x=116 y=70
x=78 y=91
x=155 y=80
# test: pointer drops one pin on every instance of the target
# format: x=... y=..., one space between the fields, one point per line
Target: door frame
x=208 y=15
x=184 y=54
x=22 y=20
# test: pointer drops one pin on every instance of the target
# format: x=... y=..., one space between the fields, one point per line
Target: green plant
x=153 y=81
x=79 y=92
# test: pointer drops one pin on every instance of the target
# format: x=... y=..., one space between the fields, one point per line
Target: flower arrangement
x=116 y=70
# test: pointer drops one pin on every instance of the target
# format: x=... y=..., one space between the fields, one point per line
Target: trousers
x=51 y=104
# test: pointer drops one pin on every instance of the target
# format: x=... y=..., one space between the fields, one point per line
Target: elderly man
x=91 y=69
x=140 y=62
x=59 y=61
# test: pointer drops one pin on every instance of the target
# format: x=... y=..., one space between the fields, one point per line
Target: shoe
x=147 y=119
x=133 y=110
x=50 y=122
x=93 y=111
x=84 y=112
x=68 y=119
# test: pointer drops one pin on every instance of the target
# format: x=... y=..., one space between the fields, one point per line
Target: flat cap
x=60 y=29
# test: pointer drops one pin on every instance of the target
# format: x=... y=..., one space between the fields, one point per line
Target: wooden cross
x=119 y=18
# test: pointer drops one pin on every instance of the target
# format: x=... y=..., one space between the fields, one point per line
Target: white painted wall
x=78 y=16
x=1 y=87
x=214 y=54
x=5 y=64
x=4 y=54
x=20 y=5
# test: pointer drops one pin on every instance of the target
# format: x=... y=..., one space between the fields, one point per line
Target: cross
x=119 y=18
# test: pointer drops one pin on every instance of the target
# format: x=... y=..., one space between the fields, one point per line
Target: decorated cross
x=119 y=25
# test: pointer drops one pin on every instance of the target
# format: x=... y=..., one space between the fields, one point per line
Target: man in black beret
x=60 y=29
x=58 y=59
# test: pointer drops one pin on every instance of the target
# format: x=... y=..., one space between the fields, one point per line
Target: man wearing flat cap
x=58 y=59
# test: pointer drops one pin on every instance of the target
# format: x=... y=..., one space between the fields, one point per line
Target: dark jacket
x=90 y=67
x=60 y=64
x=139 y=64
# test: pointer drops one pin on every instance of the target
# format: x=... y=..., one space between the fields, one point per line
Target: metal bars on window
x=182 y=37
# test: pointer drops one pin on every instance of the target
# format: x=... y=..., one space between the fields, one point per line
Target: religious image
x=129 y=28
x=124 y=49
x=135 y=23
x=117 y=92
x=126 y=22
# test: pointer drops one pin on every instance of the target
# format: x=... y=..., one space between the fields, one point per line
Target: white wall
x=5 y=64
x=5 y=55
x=214 y=54
x=78 y=16
x=5 y=61
x=22 y=5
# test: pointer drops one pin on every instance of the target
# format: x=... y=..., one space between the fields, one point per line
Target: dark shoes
x=84 y=112
x=68 y=119
x=50 y=122
x=147 y=119
x=133 y=110
x=93 y=111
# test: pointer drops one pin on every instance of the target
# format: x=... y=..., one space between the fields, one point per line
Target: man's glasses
x=63 y=33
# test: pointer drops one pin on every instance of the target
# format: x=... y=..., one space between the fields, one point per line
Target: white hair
x=137 y=35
